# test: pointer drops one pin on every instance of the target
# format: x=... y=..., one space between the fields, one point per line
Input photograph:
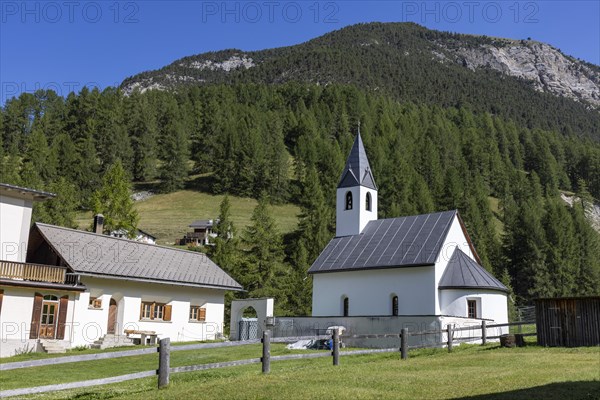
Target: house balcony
x=27 y=274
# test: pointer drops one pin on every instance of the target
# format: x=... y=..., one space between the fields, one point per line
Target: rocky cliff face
x=543 y=65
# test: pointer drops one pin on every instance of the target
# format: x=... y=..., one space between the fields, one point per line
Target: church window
x=395 y=306
x=472 y=308
x=348 y=200
x=368 y=202
x=346 y=305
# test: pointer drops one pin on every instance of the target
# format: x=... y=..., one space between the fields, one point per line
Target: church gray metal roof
x=462 y=272
x=99 y=255
x=388 y=243
x=357 y=170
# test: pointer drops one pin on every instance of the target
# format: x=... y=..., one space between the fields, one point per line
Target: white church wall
x=455 y=238
x=352 y=222
x=370 y=292
x=491 y=304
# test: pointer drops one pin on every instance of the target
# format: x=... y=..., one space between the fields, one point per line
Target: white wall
x=129 y=295
x=352 y=222
x=455 y=238
x=370 y=292
x=85 y=325
x=491 y=304
x=15 y=317
x=15 y=220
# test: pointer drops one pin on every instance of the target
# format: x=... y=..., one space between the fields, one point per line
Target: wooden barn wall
x=568 y=322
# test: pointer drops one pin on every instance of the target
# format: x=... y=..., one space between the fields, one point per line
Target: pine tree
x=113 y=200
x=562 y=249
x=263 y=248
x=141 y=125
x=61 y=209
x=316 y=218
x=224 y=252
x=173 y=148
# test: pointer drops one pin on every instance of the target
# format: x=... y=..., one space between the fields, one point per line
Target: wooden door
x=48 y=321
x=112 y=317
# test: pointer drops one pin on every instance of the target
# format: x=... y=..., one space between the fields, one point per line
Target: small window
x=95 y=302
x=348 y=200
x=346 y=306
x=159 y=310
x=472 y=308
x=155 y=311
x=197 y=313
x=368 y=202
x=395 y=306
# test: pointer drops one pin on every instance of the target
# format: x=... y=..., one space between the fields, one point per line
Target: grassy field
x=167 y=216
x=469 y=372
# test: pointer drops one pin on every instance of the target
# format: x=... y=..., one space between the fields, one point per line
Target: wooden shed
x=568 y=321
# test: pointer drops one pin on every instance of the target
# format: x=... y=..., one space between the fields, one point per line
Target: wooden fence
x=164 y=349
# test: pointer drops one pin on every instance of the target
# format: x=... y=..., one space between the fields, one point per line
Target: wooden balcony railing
x=32 y=272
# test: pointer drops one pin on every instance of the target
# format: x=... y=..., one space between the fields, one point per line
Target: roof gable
x=94 y=254
x=388 y=243
x=462 y=272
x=357 y=170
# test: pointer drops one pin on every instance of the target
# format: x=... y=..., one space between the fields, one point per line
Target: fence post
x=404 y=343
x=336 y=347
x=449 y=338
x=266 y=356
x=483 y=333
x=164 y=361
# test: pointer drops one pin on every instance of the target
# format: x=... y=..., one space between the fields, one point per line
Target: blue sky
x=66 y=44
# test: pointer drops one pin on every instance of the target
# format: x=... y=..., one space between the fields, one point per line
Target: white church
x=415 y=266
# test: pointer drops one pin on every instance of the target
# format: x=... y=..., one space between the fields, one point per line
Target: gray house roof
x=99 y=255
x=388 y=243
x=462 y=272
x=203 y=223
x=357 y=170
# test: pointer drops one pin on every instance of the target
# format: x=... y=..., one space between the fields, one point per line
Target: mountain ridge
x=543 y=66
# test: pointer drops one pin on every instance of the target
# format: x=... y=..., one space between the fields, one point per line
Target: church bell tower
x=356 y=203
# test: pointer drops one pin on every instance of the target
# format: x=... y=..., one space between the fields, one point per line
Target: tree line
x=288 y=143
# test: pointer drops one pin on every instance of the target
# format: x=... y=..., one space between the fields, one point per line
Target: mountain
x=530 y=82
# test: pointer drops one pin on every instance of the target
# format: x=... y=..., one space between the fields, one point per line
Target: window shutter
x=62 y=317
x=167 y=313
x=202 y=314
x=152 y=311
x=35 y=317
x=1 y=296
x=142 y=310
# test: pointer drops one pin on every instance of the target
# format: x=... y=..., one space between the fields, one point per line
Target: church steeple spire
x=356 y=192
x=357 y=171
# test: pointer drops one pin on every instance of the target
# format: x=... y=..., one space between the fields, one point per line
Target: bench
x=143 y=335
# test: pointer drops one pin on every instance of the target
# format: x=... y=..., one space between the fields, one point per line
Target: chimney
x=99 y=223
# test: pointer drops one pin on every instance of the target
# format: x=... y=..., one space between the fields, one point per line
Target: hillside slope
x=527 y=81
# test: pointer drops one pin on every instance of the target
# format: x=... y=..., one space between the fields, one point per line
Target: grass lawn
x=469 y=372
x=167 y=216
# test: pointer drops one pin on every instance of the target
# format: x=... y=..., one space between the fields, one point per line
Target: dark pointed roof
x=462 y=272
x=357 y=171
x=388 y=243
